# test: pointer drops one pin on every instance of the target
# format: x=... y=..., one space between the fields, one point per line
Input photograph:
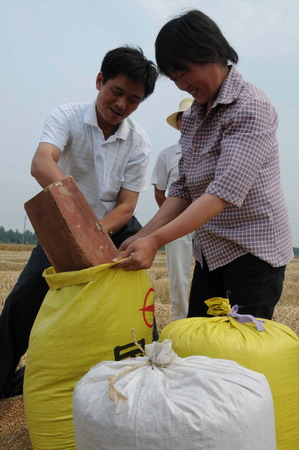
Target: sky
x=52 y=51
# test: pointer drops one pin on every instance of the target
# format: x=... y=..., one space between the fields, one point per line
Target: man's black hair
x=191 y=38
x=131 y=62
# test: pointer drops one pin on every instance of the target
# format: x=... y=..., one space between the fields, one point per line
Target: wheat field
x=13 y=259
x=13 y=428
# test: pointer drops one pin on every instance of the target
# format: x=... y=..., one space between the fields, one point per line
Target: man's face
x=117 y=99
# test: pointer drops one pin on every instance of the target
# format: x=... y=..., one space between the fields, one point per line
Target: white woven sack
x=162 y=401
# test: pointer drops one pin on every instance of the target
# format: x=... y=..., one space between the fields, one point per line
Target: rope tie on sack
x=114 y=394
x=221 y=307
x=243 y=318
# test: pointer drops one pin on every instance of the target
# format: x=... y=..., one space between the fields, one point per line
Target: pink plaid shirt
x=232 y=153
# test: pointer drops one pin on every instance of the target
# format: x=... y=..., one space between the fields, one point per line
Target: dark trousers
x=18 y=315
x=23 y=303
x=248 y=282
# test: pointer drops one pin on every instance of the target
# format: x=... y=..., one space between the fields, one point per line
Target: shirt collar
x=231 y=87
x=229 y=91
x=90 y=118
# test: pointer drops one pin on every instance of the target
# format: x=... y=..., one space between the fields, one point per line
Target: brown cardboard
x=70 y=233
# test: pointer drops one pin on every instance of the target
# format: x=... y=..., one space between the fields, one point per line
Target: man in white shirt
x=107 y=153
x=179 y=252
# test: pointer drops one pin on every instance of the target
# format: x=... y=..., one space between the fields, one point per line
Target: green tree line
x=15 y=237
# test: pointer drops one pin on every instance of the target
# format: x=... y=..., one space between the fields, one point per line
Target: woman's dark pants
x=248 y=282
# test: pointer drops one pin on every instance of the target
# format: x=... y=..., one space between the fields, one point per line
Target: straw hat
x=184 y=104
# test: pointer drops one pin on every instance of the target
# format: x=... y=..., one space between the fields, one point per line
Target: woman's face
x=202 y=81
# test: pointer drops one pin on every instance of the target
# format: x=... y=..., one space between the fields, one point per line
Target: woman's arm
x=160 y=230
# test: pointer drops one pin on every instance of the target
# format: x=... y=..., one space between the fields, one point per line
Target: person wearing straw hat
x=179 y=253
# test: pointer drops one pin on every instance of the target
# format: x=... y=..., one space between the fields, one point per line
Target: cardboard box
x=67 y=228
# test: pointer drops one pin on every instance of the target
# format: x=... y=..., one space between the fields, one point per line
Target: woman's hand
x=127 y=242
x=139 y=254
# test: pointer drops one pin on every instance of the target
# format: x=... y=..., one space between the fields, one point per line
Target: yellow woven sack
x=274 y=352
x=86 y=317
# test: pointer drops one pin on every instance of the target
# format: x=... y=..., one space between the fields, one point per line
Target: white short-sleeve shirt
x=100 y=167
x=166 y=168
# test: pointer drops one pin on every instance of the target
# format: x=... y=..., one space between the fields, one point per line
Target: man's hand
x=139 y=254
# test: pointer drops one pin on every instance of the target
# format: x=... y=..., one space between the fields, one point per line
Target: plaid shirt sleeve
x=247 y=145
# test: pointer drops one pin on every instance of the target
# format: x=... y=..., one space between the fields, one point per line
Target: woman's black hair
x=191 y=38
x=131 y=62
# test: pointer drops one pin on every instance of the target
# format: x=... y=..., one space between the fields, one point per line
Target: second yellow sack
x=274 y=352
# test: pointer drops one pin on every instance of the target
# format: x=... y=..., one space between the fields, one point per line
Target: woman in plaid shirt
x=229 y=189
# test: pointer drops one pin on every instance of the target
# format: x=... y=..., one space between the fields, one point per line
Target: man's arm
x=44 y=166
x=160 y=196
x=122 y=212
x=45 y=170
